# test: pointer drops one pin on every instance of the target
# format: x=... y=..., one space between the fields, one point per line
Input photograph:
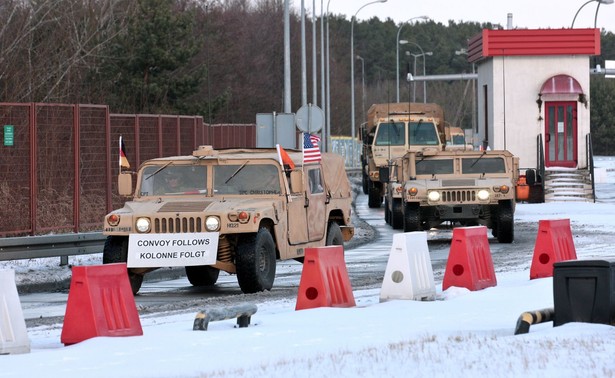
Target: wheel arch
x=270 y=226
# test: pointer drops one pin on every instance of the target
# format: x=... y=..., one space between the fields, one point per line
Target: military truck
x=391 y=131
x=464 y=187
x=456 y=138
x=235 y=210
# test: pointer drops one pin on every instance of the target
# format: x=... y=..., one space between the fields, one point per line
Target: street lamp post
x=328 y=113
x=362 y=84
x=352 y=59
x=397 y=45
x=607 y=2
x=423 y=54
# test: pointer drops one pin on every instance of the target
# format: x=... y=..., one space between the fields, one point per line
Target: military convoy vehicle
x=391 y=131
x=464 y=187
x=233 y=210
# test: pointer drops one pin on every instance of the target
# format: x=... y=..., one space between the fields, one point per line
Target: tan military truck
x=235 y=210
x=392 y=130
x=464 y=187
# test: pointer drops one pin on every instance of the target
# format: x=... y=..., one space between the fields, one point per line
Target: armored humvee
x=465 y=187
x=236 y=210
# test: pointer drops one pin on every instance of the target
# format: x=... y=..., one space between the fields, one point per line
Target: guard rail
x=62 y=245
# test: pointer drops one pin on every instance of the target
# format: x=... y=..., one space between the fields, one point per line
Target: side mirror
x=384 y=174
x=124 y=184
x=296 y=181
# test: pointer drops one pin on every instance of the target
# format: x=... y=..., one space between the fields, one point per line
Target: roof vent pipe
x=509 y=24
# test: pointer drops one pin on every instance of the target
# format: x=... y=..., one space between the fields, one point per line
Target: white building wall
x=514 y=83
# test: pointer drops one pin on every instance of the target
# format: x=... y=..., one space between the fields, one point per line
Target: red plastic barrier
x=553 y=244
x=469 y=261
x=100 y=303
x=324 y=279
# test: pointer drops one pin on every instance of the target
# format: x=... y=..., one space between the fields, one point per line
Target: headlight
x=143 y=225
x=434 y=196
x=212 y=224
x=483 y=195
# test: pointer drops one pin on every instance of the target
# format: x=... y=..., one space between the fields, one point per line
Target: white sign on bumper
x=159 y=250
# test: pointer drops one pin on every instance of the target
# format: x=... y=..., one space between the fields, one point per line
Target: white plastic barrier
x=409 y=274
x=13 y=335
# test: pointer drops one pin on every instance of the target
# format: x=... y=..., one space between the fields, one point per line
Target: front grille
x=458 y=195
x=171 y=225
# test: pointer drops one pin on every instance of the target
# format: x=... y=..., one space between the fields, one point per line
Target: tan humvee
x=236 y=210
x=465 y=187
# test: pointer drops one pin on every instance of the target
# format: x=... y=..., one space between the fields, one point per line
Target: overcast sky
x=532 y=14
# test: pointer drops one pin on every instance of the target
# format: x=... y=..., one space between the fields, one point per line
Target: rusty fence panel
x=16 y=175
x=58 y=168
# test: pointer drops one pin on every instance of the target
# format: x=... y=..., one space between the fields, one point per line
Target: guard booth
x=533 y=100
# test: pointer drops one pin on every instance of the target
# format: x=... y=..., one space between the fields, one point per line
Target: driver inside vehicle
x=173 y=183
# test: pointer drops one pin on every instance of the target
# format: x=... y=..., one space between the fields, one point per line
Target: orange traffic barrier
x=553 y=244
x=469 y=261
x=100 y=303
x=324 y=279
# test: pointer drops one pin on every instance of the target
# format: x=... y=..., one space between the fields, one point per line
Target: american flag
x=311 y=151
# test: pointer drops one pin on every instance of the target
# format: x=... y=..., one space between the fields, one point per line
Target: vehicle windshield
x=431 y=166
x=483 y=164
x=390 y=134
x=423 y=133
x=246 y=179
x=458 y=139
x=173 y=180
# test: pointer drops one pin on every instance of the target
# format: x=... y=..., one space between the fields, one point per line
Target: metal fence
x=347 y=148
x=58 y=162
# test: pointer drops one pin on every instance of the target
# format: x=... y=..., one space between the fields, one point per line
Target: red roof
x=536 y=42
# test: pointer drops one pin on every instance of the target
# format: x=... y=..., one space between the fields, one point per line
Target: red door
x=561 y=134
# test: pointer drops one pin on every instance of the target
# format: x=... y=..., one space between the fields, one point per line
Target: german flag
x=124 y=164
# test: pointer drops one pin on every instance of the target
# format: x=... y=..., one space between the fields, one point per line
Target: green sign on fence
x=9 y=135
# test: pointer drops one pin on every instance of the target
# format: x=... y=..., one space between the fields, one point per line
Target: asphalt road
x=366 y=259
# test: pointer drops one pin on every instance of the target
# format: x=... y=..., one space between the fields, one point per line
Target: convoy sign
x=157 y=250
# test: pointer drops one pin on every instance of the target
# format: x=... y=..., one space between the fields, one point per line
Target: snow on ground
x=460 y=334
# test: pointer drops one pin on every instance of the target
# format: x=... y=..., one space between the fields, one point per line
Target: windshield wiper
x=480 y=157
x=158 y=170
x=236 y=172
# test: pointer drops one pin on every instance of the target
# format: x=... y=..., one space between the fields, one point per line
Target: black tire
x=530 y=177
x=334 y=235
x=505 y=223
x=116 y=251
x=374 y=199
x=397 y=214
x=202 y=275
x=364 y=182
x=256 y=262
x=412 y=217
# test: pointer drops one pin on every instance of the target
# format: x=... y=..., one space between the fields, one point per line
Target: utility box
x=584 y=291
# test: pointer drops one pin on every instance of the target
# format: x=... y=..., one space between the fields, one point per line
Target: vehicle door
x=316 y=197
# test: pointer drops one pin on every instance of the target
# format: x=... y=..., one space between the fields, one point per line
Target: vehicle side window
x=315 y=181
